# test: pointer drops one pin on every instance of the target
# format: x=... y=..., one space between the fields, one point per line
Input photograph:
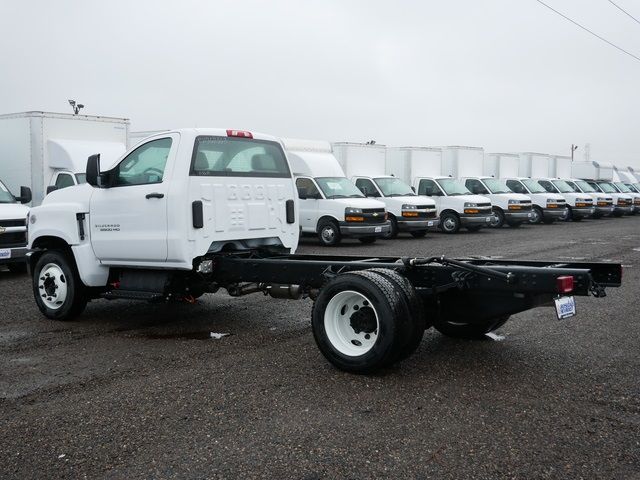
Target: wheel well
x=326 y=218
x=41 y=244
x=495 y=207
x=444 y=212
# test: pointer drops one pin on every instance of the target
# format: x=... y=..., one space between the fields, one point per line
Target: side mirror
x=51 y=188
x=413 y=189
x=93 y=170
x=25 y=195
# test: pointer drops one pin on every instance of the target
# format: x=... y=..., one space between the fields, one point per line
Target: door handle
x=154 y=195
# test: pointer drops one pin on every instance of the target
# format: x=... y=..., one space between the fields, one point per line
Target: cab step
x=133 y=295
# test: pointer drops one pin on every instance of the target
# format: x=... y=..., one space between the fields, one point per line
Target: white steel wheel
x=351 y=323
x=52 y=286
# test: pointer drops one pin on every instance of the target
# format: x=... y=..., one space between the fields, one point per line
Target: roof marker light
x=239 y=133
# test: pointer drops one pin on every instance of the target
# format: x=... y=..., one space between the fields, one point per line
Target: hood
x=358 y=202
x=13 y=211
x=473 y=198
x=515 y=196
x=75 y=194
x=412 y=200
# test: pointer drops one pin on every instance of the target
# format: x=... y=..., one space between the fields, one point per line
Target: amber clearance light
x=351 y=218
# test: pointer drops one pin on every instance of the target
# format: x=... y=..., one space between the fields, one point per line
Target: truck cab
x=13 y=228
x=579 y=206
x=603 y=203
x=511 y=208
x=457 y=206
x=330 y=205
x=407 y=211
x=625 y=189
x=547 y=207
x=622 y=202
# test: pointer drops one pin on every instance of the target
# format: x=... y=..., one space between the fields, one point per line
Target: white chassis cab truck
x=603 y=203
x=365 y=165
x=13 y=228
x=330 y=205
x=193 y=211
x=514 y=209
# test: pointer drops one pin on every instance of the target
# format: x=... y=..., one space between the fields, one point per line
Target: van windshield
x=607 y=187
x=393 y=187
x=585 y=187
x=562 y=186
x=5 y=195
x=622 y=187
x=533 y=186
x=574 y=187
x=452 y=187
x=496 y=186
x=338 y=187
x=632 y=187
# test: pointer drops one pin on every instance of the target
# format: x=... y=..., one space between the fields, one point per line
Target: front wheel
x=329 y=233
x=536 y=215
x=57 y=288
x=498 y=218
x=470 y=331
x=450 y=223
x=418 y=233
x=393 y=229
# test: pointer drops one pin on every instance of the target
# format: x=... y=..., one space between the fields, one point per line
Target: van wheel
x=329 y=233
x=498 y=218
x=449 y=223
x=359 y=322
x=393 y=229
x=368 y=240
x=536 y=215
x=471 y=331
x=57 y=288
x=418 y=233
x=568 y=215
x=17 y=267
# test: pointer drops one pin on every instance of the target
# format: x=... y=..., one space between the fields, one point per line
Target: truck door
x=128 y=218
x=309 y=198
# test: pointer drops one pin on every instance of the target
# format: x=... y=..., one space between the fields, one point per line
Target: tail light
x=239 y=133
x=564 y=284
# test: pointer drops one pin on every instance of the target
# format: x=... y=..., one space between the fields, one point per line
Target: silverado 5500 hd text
x=188 y=212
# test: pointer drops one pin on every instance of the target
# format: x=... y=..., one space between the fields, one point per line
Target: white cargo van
x=13 y=228
x=423 y=167
x=47 y=151
x=365 y=165
x=603 y=203
x=599 y=175
x=330 y=205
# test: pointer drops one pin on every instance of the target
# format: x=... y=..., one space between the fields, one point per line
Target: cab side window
x=64 y=180
x=367 y=187
x=516 y=186
x=307 y=189
x=475 y=186
x=429 y=188
x=145 y=165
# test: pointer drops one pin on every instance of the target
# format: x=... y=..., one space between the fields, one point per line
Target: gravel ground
x=134 y=390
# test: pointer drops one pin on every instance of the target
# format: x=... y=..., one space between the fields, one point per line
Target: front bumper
x=517 y=215
x=554 y=213
x=348 y=229
x=583 y=212
x=17 y=254
x=405 y=225
x=623 y=210
x=604 y=211
x=476 y=220
x=636 y=208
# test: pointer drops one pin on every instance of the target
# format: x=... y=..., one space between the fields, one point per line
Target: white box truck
x=600 y=175
x=457 y=207
x=42 y=150
x=331 y=206
x=534 y=165
x=194 y=211
x=365 y=165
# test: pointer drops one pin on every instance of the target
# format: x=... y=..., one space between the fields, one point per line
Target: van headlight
x=514 y=202
x=408 y=206
x=350 y=210
x=470 y=205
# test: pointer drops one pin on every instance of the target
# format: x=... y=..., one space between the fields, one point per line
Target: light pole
x=573 y=149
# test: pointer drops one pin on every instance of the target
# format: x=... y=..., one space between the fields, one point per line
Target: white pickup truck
x=13 y=228
x=188 y=212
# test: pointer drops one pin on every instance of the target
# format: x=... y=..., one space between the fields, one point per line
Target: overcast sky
x=508 y=75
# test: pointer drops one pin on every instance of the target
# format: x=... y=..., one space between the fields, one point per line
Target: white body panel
x=592 y=170
x=501 y=165
x=534 y=165
x=360 y=159
x=36 y=146
x=560 y=167
x=408 y=163
x=459 y=162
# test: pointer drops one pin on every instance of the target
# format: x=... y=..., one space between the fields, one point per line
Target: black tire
x=414 y=305
x=500 y=218
x=418 y=233
x=17 y=267
x=392 y=317
x=569 y=215
x=329 y=233
x=450 y=222
x=45 y=290
x=474 y=228
x=469 y=331
x=368 y=240
x=393 y=229
x=536 y=215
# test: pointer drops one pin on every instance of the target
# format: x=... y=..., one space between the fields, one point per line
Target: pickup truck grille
x=13 y=239
x=21 y=222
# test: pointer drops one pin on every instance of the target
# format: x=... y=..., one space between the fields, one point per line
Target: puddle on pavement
x=206 y=335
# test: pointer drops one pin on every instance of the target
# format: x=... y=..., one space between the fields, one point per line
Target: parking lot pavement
x=136 y=390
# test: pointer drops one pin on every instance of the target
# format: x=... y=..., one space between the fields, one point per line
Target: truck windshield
x=607 y=187
x=622 y=187
x=393 y=187
x=338 y=187
x=496 y=186
x=5 y=195
x=562 y=186
x=452 y=187
x=533 y=186
x=585 y=187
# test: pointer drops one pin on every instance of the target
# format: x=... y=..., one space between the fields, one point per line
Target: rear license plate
x=429 y=224
x=378 y=229
x=5 y=253
x=565 y=307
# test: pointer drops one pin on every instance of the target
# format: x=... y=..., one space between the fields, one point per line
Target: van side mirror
x=413 y=189
x=51 y=188
x=25 y=195
x=93 y=170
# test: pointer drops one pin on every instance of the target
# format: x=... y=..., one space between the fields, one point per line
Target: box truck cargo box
x=458 y=161
x=501 y=165
x=560 y=167
x=408 y=163
x=534 y=165
x=360 y=158
x=41 y=149
x=592 y=170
